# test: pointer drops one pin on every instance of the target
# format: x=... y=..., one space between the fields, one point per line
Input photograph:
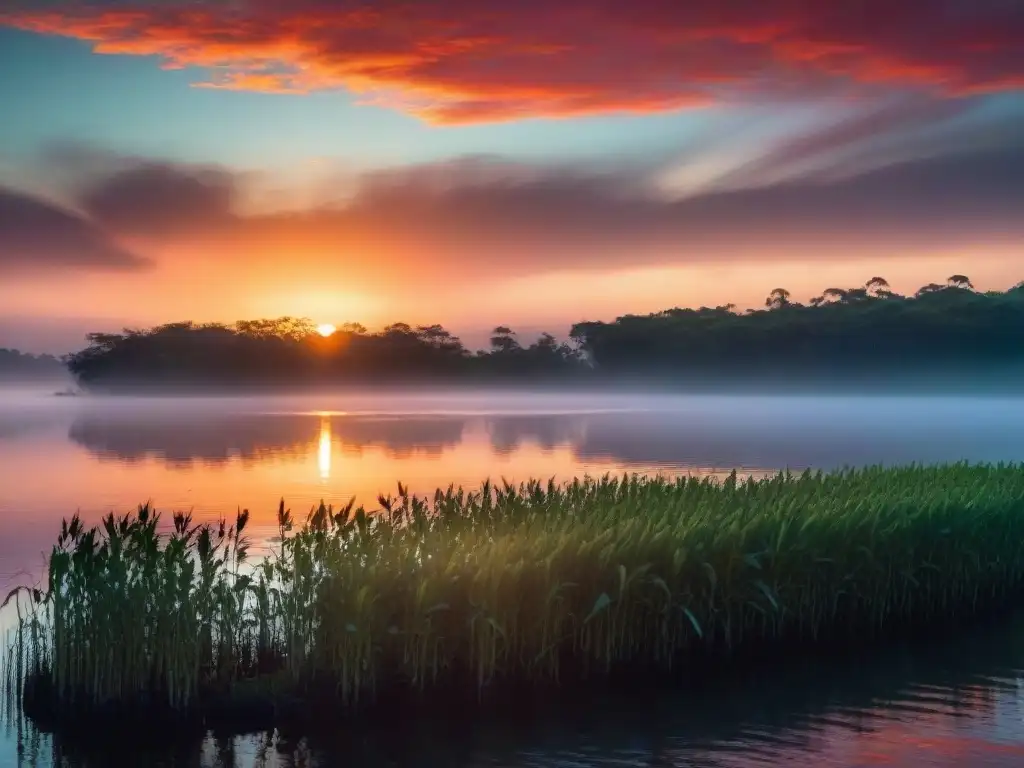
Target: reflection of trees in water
x=508 y=433
x=16 y=424
x=12 y=428
x=399 y=436
x=740 y=433
x=184 y=439
x=180 y=440
x=797 y=439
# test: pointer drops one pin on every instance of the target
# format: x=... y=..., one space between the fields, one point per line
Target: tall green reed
x=129 y=614
x=529 y=584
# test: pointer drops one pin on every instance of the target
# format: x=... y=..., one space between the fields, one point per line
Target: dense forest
x=290 y=351
x=22 y=366
x=869 y=331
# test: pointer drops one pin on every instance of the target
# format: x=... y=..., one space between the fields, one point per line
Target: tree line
x=21 y=365
x=865 y=330
x=868 y=329
x=288 y=350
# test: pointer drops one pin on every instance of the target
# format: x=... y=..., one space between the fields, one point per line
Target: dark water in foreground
x=958 y=704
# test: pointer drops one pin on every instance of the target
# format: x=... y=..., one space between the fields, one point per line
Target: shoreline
x=926 y=384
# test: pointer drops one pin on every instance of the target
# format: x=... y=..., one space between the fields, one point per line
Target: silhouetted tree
x=878 y=287
x=844 y=332
x=282 y=327
x=276 y=353
x=876 y=283
x=777 y=299
x=959 y=281
x=439 y=338
x=503 y=340
x=930 y=288
x=21 y=365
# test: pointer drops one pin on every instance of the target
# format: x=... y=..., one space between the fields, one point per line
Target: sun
x=325 y=329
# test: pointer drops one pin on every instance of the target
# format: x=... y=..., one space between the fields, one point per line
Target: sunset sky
x=472 y=162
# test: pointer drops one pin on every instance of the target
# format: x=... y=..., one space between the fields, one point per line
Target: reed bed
x=534 y=585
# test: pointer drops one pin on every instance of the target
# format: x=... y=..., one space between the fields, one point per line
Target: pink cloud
x=464 y=61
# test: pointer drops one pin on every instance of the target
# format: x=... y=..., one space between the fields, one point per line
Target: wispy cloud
x=154 y=198
x=40 y=236
x=482 y=218
x=463 y=61
x=870 y=134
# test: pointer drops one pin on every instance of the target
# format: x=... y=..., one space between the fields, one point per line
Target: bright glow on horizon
x=526 y=196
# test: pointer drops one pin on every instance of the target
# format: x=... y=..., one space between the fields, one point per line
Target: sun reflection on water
x=324 y=450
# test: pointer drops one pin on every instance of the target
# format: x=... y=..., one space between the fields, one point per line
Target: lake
x=959 y=704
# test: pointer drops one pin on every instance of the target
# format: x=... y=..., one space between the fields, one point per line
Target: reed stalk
x=533 y=584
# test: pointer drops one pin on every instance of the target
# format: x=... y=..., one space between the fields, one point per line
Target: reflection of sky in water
x=961 y=709
x=59 y=455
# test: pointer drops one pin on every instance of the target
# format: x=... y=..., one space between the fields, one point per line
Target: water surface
x=215 y=455
x=956 y=703
x=959 y=706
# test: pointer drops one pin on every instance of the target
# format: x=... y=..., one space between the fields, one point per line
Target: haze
x=461 y=163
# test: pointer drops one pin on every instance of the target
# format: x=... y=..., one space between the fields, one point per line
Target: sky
x=481 y=162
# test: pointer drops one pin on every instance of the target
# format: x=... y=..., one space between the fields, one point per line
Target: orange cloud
x=463 y=61
x=478 y=219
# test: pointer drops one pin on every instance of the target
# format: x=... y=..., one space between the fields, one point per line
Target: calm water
x=957 y=706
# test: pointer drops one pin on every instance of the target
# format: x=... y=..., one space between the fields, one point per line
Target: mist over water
x=214 y=454
x=958 y=705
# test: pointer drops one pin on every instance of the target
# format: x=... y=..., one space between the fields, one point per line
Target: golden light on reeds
x=537 y=583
